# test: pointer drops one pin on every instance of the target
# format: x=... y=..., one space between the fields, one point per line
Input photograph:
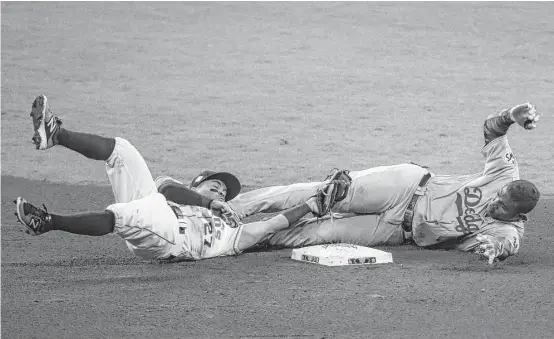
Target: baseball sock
x=91 y=223
x=295 y=213
x=90 y=145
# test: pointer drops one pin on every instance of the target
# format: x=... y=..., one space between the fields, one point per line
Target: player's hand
x=225 y=210
x=489 y=247
x=525 y=115
x=221 y=207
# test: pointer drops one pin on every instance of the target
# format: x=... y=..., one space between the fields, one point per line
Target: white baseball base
x=341 y=255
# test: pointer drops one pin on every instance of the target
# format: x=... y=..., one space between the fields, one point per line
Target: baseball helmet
x=232 y=182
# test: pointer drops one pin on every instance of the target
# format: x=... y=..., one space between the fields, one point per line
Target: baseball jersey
x=453 y=210
x=204 y=235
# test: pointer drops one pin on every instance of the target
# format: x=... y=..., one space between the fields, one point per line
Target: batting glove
x=525 y=115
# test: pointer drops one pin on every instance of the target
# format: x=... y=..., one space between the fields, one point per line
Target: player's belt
x=409 y=215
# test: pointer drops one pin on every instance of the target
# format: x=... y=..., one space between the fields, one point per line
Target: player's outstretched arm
x=492 y=247
x=497 y=125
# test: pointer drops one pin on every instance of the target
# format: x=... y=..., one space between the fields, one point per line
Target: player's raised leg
x=149 y=235
x=128 y=173
x=48 y=133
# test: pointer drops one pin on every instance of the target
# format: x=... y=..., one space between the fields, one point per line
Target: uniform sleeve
x=507 y=236
x=177 y=192
x=496 y=126
x=499 y=159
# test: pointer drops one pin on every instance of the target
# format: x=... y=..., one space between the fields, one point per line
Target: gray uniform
x=449 y=214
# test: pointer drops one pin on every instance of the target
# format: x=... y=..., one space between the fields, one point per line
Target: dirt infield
x=65 y=286
x=276 y=92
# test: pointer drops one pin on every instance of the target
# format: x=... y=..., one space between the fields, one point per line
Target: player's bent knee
x=148 y=235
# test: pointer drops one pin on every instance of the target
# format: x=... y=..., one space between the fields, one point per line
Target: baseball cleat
x=342 y=181
x=31 y=216
x=45 y=124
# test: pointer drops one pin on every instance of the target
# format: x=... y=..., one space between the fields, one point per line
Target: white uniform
x=205 y=235
x=154 y=228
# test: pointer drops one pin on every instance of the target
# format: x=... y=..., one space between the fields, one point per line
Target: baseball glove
x=325 y=199
x=342 y=181
x=335 y=191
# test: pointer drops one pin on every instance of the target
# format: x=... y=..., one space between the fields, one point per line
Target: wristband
x=510 y=115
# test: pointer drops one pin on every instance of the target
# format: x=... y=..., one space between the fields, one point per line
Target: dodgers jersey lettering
x=203 y=234
x=453 y=209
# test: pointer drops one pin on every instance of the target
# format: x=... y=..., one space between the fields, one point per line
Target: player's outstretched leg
x=48 y=133
x=254 y=233
x=38 y=221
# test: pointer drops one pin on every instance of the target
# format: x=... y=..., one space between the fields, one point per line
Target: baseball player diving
x=152 y=226
x=482 y=212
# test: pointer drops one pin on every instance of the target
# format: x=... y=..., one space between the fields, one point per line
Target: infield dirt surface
x=277 y=93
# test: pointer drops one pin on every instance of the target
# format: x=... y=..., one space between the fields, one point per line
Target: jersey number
x=208 y=231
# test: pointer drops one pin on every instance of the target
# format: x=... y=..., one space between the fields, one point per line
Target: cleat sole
x=37 y=113
x=19 y=201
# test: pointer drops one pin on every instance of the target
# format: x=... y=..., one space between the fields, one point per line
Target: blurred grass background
x=277 y=92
